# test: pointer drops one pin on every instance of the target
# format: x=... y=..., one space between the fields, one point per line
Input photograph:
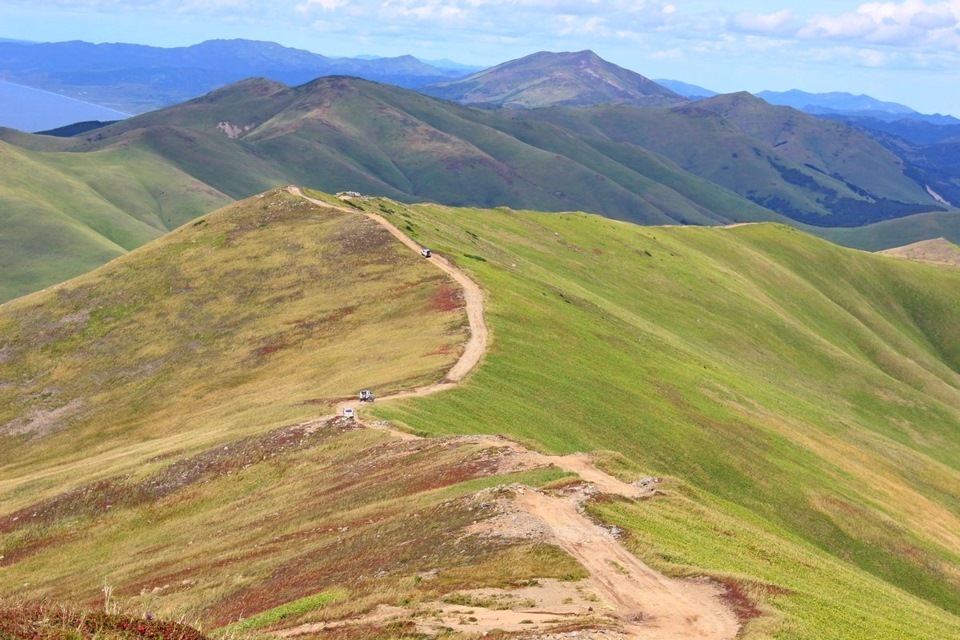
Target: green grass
x=800 y=400
x=194 y=324
x=295 y=608
x=810 y=389
x=153 y=429
x=66 y=213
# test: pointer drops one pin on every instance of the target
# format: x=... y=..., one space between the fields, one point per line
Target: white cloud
x=779 y=23
x=908 y=23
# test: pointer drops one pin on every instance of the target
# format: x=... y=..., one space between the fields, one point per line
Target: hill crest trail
x=648 y=604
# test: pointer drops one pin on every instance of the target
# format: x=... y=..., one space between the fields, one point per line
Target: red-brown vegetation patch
x=736 y=597
x=301 y=330
x=443 y=350
x=333 y=317
x=27 y=549
x=448 y=298
x=48 y=621
x=362 y=557
x=398 y=630
x=361 y=551
x=325 y=401
x=87 y=500
x=437 y=277
x=268 y=349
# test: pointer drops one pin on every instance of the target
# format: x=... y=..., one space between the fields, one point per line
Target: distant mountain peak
x=545 y=78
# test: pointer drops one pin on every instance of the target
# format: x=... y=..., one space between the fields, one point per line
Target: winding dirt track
x=473 y=296
x=649 y=605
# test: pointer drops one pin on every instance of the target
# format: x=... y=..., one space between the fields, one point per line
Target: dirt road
x=649 y=605
x=473 y=297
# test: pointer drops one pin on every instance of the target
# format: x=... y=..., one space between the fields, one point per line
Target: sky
x=906 y=52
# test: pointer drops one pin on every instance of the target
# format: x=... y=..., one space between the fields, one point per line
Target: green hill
x=64 y=214
x=809 y=170
x=724 y=159
x=158 y=426
x=799 y=400
x=347 y=134
x=803 y=397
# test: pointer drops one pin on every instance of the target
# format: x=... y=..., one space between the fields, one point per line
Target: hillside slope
x=723 y=159
x=804 y=399
x=64 y=214
x=799 y=402
x=812 y=171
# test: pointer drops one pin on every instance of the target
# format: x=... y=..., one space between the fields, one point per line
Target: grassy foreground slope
x=801 y=399
x=158 y=431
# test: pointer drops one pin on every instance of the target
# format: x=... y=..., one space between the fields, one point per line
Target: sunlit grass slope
x=158 y=429
x=262 y=312
x=802 y=400
x=64 y=213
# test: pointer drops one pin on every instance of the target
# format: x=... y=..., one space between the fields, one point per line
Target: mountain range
x=725 y=159
x=847 y=104
x=137 y=78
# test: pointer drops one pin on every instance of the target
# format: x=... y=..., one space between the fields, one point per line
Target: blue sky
x=907 y=51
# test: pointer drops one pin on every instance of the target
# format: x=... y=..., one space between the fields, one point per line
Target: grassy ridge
x=273 y=289
x=159 y=429
x=800 y=400
x=808 y=390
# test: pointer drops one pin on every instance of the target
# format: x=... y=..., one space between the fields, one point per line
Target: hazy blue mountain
x=444 y=63
x=833 y=102
x=921 y=132
x=685 y=89
x=31 y=110
x=137 y=78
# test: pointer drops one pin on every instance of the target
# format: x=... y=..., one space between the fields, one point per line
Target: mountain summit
x=548 y=79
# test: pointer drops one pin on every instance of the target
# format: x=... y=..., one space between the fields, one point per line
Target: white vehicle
x=348 y=412
x=425 y=252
